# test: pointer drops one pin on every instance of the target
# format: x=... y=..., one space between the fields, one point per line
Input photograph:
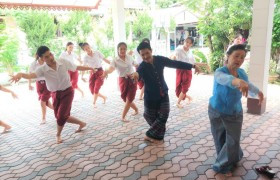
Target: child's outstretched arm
x=18 y=76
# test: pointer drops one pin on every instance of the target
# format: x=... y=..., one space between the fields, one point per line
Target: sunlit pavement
x=111 y=149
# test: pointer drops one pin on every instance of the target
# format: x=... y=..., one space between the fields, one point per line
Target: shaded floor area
x=110 y=149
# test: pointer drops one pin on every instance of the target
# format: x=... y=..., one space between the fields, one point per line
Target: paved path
x=110 y=149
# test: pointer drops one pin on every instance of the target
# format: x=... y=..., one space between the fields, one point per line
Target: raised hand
x=15 y=78
x=243 y=87
x=134 y=76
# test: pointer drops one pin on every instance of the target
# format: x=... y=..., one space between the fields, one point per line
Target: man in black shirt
x=156 y=99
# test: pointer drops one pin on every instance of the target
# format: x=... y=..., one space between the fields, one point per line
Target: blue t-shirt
x=227 y=98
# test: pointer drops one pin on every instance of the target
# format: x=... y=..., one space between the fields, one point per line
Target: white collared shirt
x=184 y=56
x=32 y=68
x=124 y=68
x=94 y=61
x=59 y=79
x=138 y=57
x=70 y=57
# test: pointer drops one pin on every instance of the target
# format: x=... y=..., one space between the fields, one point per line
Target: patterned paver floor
x=110 y=149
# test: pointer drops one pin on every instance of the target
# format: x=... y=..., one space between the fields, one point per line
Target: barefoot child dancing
x=58 y=82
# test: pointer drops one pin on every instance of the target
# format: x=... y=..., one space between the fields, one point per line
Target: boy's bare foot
x=146 y=138
x=58 y=139
x=43 y=121
x=179 y=106
x=124 y=120
x=6 y=128
x=135 y=113
x=94 y=106
x=81 y=127
x=104 y=100
x=189 y=98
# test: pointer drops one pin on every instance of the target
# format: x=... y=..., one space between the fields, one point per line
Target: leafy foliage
x=275 y=47
x=39 y=28
x=9 y=46
x=220 y=21
x=78 y=26
x=199 y=56
x=142 y=26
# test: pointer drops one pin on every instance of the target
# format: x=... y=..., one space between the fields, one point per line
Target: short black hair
x=190 y=38
x=41 y=50
x=146 y=40
x=235 y=48
x=121 y=43
x=143 y=45
x=83 y=44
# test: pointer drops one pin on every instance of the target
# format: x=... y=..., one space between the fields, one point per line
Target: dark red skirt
x=62 y=103
x=74 y=76
x=140 y=84
x=95 y=81
x=183 y=81
x=42 y=91
x=128 y=89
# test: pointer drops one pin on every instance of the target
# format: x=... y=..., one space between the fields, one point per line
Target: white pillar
x=154 y=32
x=118 y=22
x=260 y=50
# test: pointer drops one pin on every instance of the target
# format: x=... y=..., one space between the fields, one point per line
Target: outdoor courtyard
x=111 y=149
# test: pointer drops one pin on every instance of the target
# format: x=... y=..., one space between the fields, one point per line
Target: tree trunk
x=210 y=43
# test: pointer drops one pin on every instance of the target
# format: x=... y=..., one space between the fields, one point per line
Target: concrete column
x=263 y=12
x=118 y=14
x=154 y=32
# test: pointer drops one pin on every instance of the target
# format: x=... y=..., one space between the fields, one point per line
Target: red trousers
x=128 y=89
x=183 y=81
x=95 y=81
x=42 y=91
x=74 y=76
x=140 y=84
x=62 y=103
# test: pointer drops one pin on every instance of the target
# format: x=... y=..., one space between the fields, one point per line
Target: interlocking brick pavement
x=111 y=149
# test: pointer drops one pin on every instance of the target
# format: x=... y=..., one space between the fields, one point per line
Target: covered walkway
x=110 y=149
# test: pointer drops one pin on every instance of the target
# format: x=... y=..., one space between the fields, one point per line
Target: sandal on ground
x=266 y=170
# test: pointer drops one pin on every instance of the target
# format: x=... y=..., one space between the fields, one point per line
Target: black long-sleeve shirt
x=152 y=75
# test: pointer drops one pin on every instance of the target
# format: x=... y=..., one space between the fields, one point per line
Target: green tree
x=275 y=47
x=39 y=28
x=220 y=21
x=142 y=26
x=9 y=46
x=78 y=26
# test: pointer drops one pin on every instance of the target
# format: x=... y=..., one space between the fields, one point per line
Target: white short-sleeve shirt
x=124 y=68
x=70 y=57
x=59 y=79
x=94 y=61
x=138 y=57
x=184 y=56
x=32 y=68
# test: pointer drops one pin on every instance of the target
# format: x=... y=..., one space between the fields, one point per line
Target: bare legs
x=181 y=97
x=95 y=98
x=72 y=120
x=81 y=91
x=141 y=93
x=128 y=105
x=6 y=126
x=44 y=110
